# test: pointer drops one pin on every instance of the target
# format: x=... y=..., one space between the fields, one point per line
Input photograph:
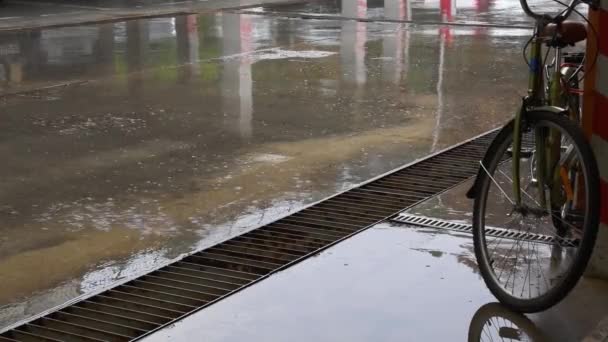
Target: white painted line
x=8 y=18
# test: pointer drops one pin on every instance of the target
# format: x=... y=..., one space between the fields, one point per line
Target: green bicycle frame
x=548 y=143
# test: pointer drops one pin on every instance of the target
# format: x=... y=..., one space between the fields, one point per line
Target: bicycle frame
x=548 y=143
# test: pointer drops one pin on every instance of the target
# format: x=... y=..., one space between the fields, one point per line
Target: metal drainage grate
x=492 y=231
x=144 y=304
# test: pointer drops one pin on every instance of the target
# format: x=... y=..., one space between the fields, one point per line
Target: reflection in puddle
x=494 y=322
x=418 y=290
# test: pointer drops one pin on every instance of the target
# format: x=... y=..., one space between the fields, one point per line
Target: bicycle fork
x=547 y=153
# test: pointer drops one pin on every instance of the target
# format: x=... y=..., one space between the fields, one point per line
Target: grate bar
x=356 y=206
x=202 y=281
x=337 y=204
x=382 y=197
x=432 y=182
x=346 y=215
x=28 y=333
x=302 y=231
x=78 y=329
x=128 y=322
x=101 y=325
x=234 y=275
x=322 y=227
x=253 y=254
x=240 y=258
x=360 y=201
x=168 y=294
x=158 y=300
x=383 y=186
x=289 y=239
x=280 y=253
x=322 y=224
x=198 y=289
x=304 y=227
x=34 y=332
x=119 y=300
x=233 y=263
x=292 y=247
x=402 y=184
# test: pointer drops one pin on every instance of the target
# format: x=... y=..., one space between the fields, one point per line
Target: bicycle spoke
x=522 y=190
x=535 y=252
x=495 y=182
x=565 y=222
x=528 y=275
x=488 y=334
x=504 y=257
x=514 y=266
x=500 y=239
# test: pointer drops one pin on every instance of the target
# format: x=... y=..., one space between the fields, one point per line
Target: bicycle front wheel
x=527 y=262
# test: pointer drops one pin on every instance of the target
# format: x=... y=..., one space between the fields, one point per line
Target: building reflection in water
x=187 y=35
x=105 y=48
x=236 y=82
x=395 y=45
x=137 y=44
x=448 y=9
x=89 y=51
x=352 y=42
x=443 y=39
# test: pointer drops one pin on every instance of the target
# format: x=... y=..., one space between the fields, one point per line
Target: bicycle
x=536 y=194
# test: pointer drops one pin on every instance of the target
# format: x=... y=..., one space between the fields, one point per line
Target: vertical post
x=595 y=124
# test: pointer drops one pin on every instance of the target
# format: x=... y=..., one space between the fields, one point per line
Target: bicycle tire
x=590 y=226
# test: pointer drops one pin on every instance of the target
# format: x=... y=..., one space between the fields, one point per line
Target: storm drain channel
x=499 y=232
x=142 y=305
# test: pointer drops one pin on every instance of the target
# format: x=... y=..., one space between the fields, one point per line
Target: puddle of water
x=452 y=205
x=397 y=289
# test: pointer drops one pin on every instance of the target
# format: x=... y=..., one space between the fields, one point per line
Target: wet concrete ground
x=393 y=282
x=389 y=283
x=367 y=288
x=156 y=137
